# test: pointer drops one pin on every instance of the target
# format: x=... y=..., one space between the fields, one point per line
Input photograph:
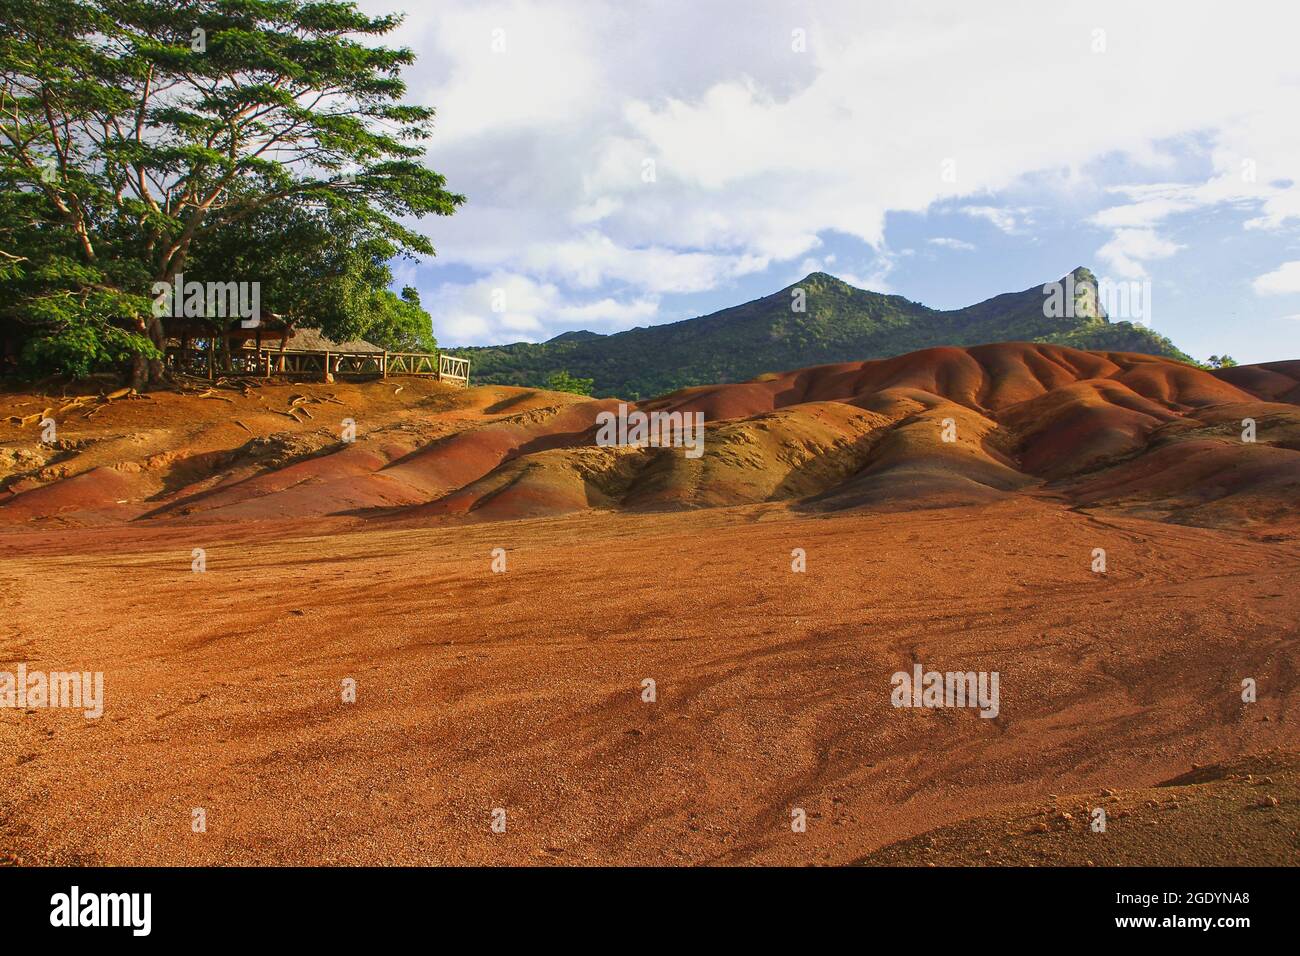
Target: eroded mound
x=935 y=428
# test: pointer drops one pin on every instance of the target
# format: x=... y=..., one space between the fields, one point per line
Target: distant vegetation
x=562 y=381
x=839 y=323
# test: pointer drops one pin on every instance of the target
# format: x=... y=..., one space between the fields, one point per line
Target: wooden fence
x=454 y=370
x=321 y=364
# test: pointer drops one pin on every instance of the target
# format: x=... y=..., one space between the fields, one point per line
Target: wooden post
x=383 y=369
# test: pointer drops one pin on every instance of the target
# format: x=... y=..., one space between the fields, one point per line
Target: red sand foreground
x=524 y=690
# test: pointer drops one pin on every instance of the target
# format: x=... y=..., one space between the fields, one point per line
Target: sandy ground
x=523 y=690
x=521 y=696
x=1249 y=806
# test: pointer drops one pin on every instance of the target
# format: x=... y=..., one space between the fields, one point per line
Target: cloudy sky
x=637 y=163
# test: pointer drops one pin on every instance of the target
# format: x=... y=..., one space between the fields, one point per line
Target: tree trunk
x=157 y=335
x=139 y=372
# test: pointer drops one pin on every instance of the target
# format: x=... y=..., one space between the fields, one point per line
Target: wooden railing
x=454 y=370
x=409 y=363
x=325 y=363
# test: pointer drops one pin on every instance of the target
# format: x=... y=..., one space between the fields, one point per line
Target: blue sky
x=630 y=165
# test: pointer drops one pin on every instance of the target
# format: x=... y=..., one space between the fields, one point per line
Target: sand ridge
x=1147 y=434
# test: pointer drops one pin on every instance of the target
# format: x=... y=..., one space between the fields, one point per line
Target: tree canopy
x=562 y=381
x=249 y=140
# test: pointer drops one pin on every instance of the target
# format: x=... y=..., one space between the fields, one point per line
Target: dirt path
x=523 y=690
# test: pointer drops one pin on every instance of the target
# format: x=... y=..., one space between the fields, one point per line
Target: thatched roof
x=271 y=330
x=313 y=340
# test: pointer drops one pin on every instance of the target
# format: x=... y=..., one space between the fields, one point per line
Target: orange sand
x=372 y=561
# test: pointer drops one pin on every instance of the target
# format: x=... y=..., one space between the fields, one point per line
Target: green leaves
x=562 y=381
x=85 y=343
x=320 y=268
x=137 y=133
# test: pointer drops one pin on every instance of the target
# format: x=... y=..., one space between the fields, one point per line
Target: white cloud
x=760 y=152
x=499 y=306
x=1009 y=220
x=592 y=259
x=610 y=312
x=596 y=211
x=876 y=278
x=947 y=242
x=1128 y=251
x=815 y=264
x=1151 y=205
x=1281 y=281
x=502 y=66
x=509 y=307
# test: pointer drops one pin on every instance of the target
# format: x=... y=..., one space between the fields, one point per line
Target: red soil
x=372 y=561
x=522 y=690
x=1024 y=415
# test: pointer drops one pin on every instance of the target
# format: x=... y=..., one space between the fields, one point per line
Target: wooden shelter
x=274 y=348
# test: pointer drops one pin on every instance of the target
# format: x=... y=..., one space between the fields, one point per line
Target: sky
x=629 y=164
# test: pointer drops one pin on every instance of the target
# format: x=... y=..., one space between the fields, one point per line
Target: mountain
x=839 y=323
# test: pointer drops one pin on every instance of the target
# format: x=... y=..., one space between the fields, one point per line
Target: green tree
x=400 y=324
x=1222 y=361
x=132 y=131
x=562 y=381
x=319 y=268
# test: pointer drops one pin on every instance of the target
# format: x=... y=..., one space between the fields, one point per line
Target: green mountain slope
x=839 y=323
